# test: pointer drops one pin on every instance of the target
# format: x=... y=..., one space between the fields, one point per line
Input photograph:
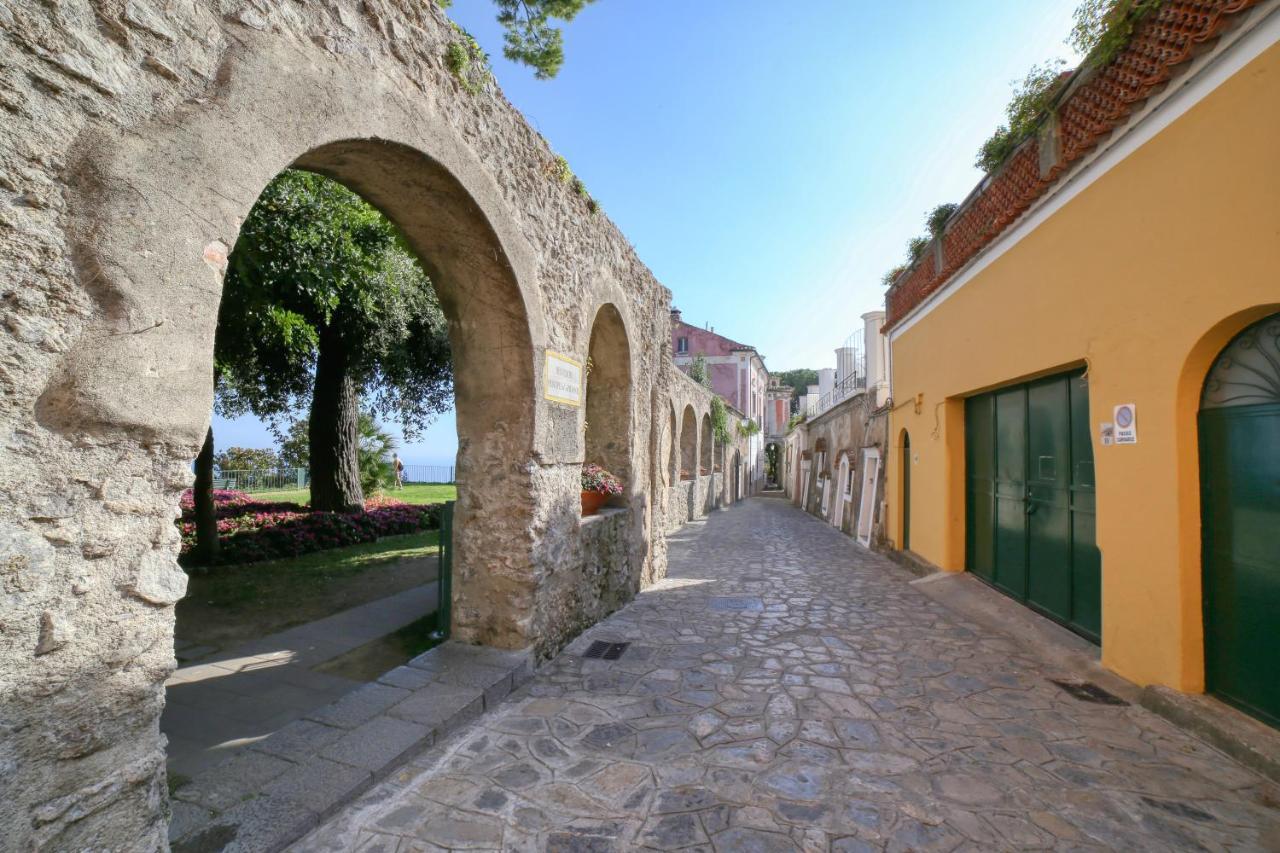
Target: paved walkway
x=785 y=690
x=234 y=698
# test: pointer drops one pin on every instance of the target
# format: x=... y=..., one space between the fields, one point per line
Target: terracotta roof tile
x=1100 y=102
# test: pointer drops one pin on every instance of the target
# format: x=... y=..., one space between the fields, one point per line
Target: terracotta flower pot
x=592 y=501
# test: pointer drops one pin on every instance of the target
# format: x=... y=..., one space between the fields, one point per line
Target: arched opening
x=1239 y=427
x=822 y=474
x=773 y=465
x=482 y=303
x=706 y=446
x=672 y=456
x=905 y=467
x=688 y=444
x=844 y=491
x=607 y=440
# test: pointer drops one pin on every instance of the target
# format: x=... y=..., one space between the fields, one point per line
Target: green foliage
x=1103 y=27
x=468 y=64
x=916 y=247
x=748 y=428
x=559 y=170
x=313 y=255
x=247 y=459
x=698 y=370
x=1031 y=100
x=892 y=275
x=720 y=420
x=376 y=447
x=796 y=420
x=936 y=221
x=295 y=446
x=530 y=38
x=798 y=380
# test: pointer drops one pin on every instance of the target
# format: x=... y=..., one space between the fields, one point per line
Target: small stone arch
x=670 y=454
x=607 y=432
x=688 y=444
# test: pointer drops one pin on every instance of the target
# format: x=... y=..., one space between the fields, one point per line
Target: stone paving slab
x=269 y=794
x=232 y=698
x=848 y=712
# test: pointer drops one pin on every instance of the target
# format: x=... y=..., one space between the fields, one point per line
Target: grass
x=231 y=585
x=414 y=493
x=236 y=603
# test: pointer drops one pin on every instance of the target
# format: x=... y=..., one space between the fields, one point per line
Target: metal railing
x=288 y=479
x=853 y=382
x=261 y=480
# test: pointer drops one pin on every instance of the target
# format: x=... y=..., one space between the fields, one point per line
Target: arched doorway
x=844 y=491
x=773 y=465
x=906 y=491
x=1239 y=426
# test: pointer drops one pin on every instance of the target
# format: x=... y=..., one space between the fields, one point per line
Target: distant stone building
x=736 y=372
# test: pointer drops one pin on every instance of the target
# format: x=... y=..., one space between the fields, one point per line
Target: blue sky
x=769 y=161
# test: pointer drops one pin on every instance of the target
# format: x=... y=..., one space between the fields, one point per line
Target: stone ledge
x=1253 y=744
x=604 y=513
x=277 y=790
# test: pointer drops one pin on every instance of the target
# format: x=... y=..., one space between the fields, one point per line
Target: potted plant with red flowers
x=598 y=485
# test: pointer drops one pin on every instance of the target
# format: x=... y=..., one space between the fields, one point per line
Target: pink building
x=737 y=374
x=736 y=370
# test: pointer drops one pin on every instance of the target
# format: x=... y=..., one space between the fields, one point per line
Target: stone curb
x=274 y=792
x=1248 y=741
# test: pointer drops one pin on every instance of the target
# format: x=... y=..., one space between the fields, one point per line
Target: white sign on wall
x=1126 y=420
x=563 y=379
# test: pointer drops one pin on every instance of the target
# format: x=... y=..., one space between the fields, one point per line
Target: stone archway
x=146 y=173
x=688 y=444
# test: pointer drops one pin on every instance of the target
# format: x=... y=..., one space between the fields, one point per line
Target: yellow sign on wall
x=563 y=379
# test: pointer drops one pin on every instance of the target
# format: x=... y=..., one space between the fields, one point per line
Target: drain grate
x=601 y=650
x=1087 y=691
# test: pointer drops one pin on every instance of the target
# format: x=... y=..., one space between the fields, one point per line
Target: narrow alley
x=786 y=689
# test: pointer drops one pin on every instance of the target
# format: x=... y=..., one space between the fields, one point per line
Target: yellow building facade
x=1129 y=275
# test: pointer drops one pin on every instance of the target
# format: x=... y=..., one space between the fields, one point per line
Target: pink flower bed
x=250 y=531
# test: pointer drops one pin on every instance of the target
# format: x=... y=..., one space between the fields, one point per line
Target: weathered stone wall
x=677 y=510
x=845 y=429
x=136 y=135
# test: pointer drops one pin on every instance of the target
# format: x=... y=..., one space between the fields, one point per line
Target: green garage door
x=1240 y=506
x=1029 y=512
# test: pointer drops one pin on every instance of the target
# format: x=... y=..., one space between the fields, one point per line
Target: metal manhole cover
x=1087 y=691
x=601 y=650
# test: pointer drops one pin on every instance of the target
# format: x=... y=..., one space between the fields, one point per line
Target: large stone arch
x=151 y=150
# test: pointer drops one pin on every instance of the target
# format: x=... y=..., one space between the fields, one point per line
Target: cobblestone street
x=785 y=689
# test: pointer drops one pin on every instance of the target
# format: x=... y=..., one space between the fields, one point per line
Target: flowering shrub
x=250 y=531
x=596 y=479
x=221 y=498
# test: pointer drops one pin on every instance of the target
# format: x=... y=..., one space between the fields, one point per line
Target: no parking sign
x=1126 y=421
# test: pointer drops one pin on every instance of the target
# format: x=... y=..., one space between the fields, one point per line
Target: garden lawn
x=416 y=493
x=236 y=603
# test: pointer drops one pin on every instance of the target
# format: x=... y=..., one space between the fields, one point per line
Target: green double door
x=1030 y=498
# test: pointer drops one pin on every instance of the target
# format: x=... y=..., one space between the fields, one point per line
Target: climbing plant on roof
x=1103 y=27
x=1032 y=97
x=937 y=218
